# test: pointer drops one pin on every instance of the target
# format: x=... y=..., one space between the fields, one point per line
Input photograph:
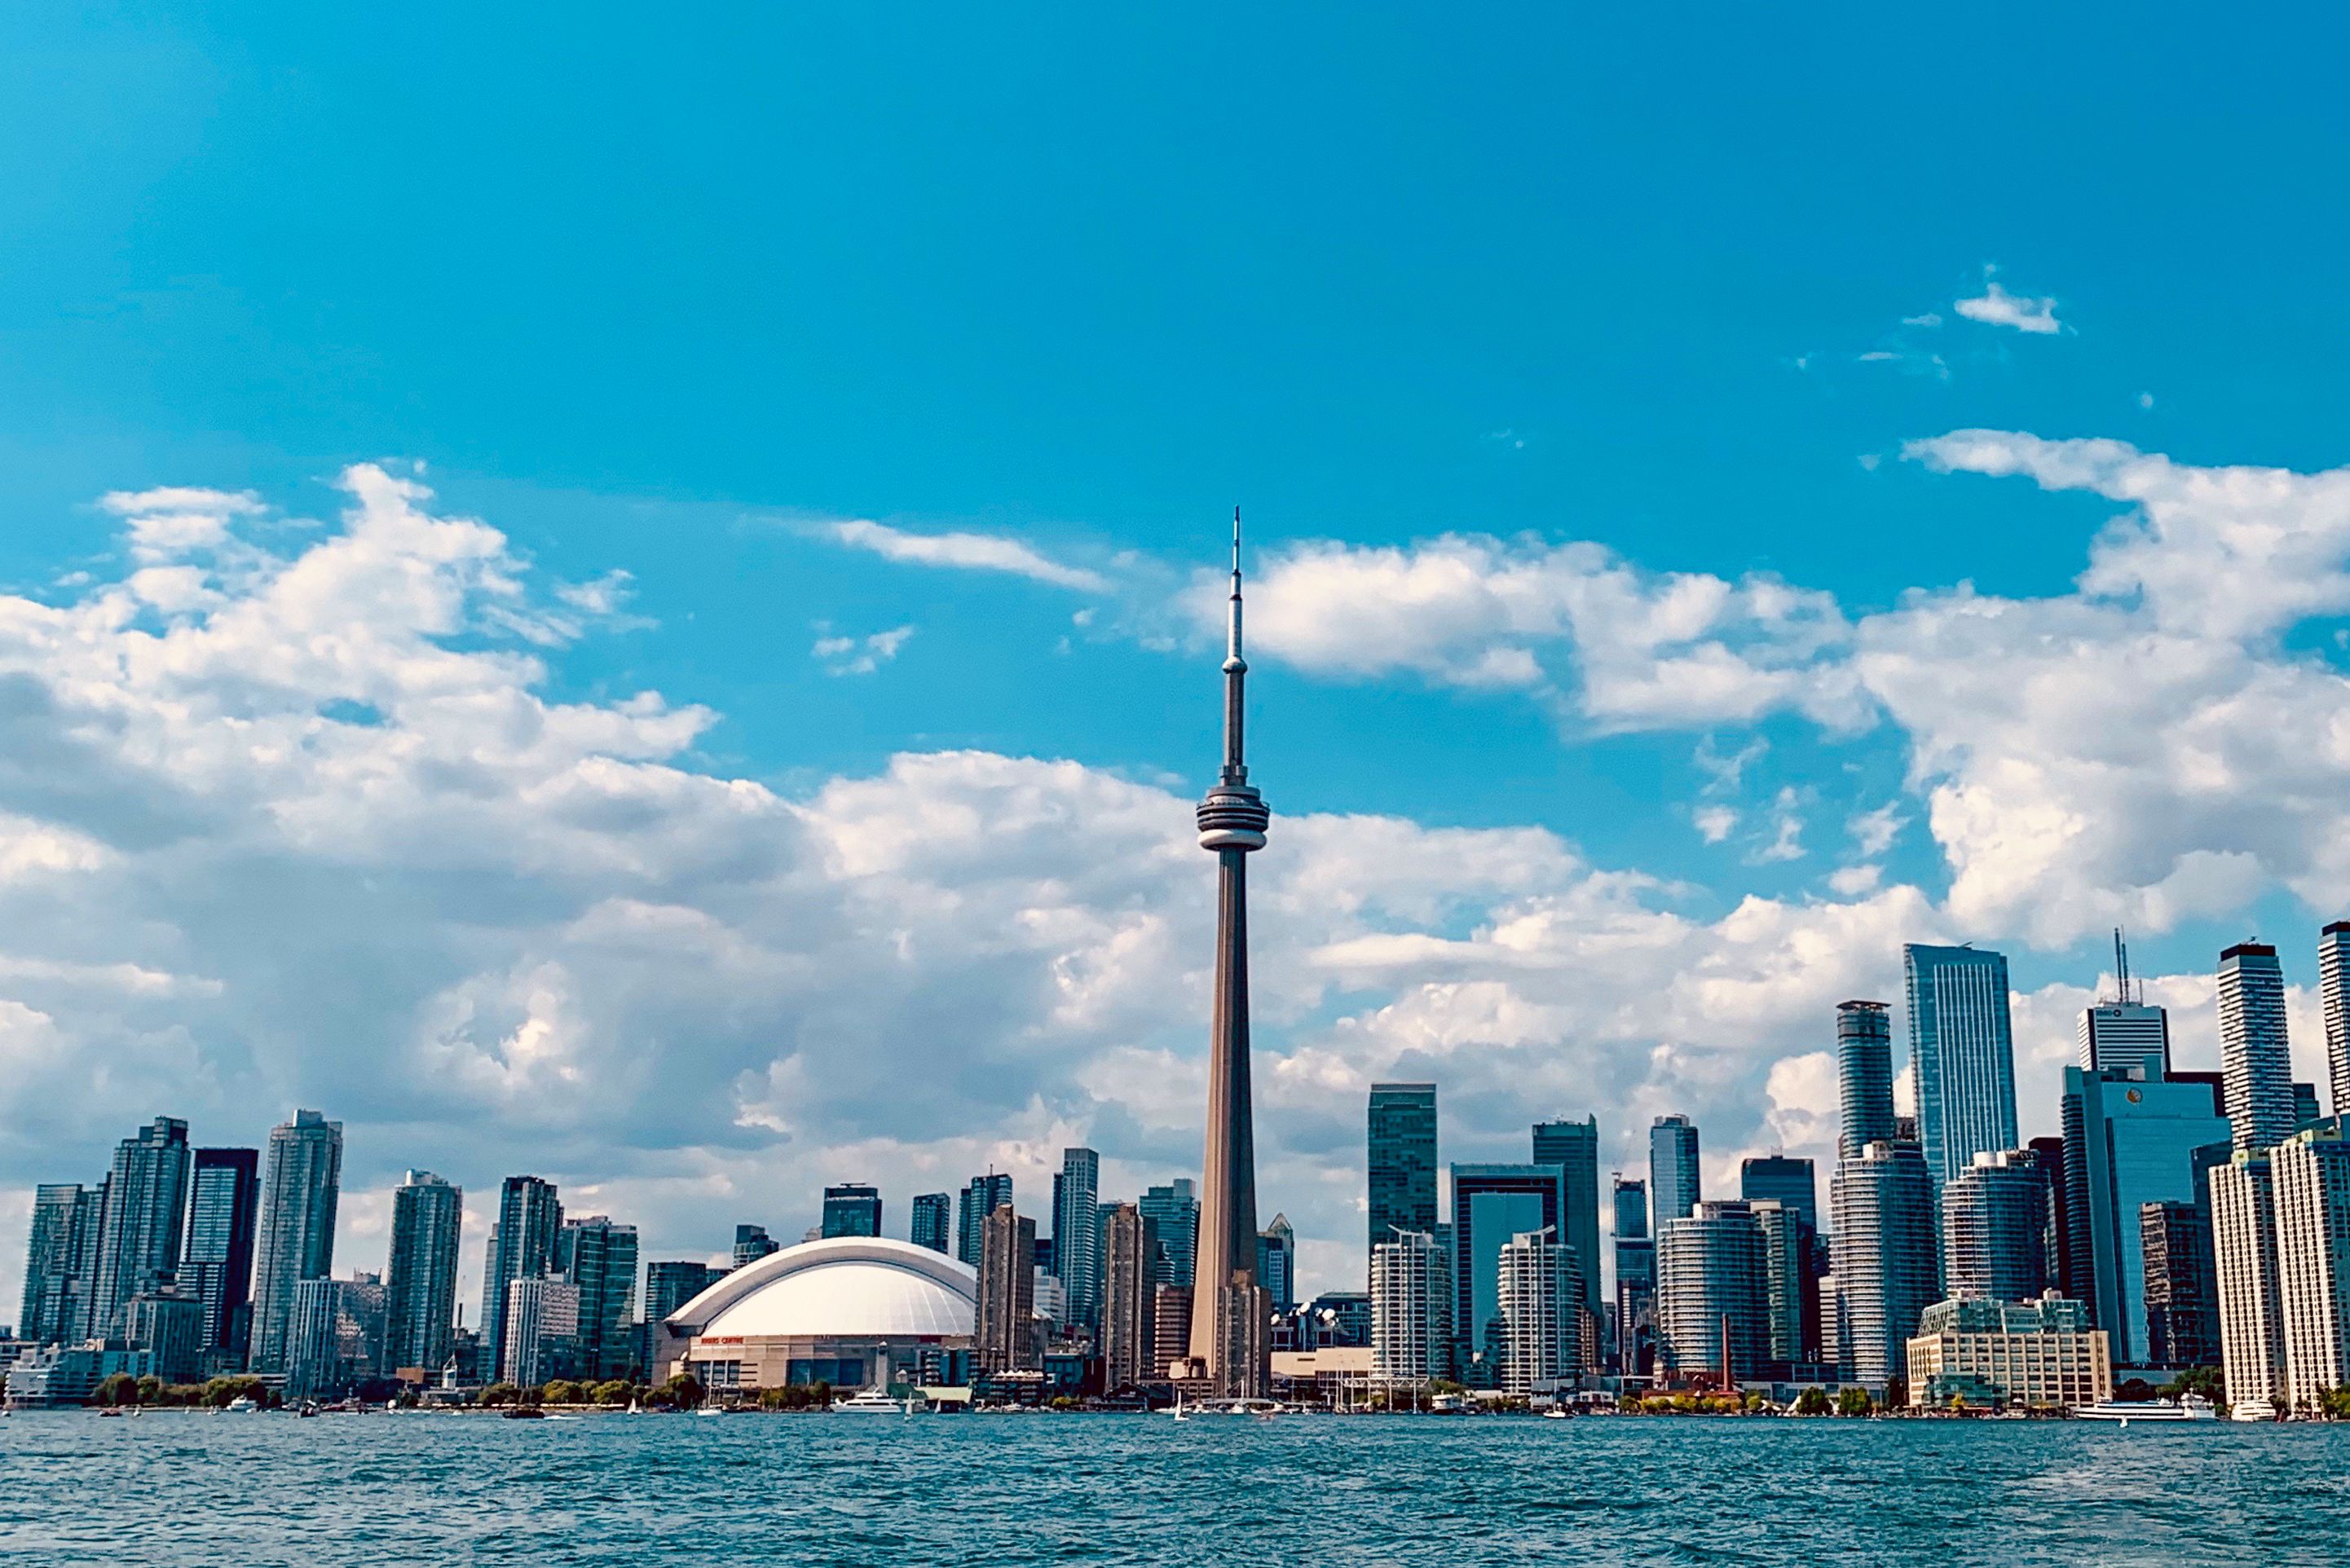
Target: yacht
x=241 y=1404
x=2187 y=1407
x=874 y=1402
x=2255 y=1410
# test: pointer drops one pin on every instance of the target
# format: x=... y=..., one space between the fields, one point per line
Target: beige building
x=2312 y=1177
x=2252 y=1296
x=2039 y=1355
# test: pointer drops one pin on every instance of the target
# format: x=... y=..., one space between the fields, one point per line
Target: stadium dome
x=844 y=1287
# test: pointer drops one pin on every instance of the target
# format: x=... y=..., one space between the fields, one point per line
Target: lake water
x=190 y=1489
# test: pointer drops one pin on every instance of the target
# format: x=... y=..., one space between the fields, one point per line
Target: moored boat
x=2187 y=1407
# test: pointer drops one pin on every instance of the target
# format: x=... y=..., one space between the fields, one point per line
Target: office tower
x=600 y=1258
x=1782 y=1178
x=1574 y=1147
x=1995 y=1228
x=1674 y=1183
x=1233 y=819
x=1791 y=1296
x=1129 y=1293
x=1401 y=1159
x=1276 y=1262
x=1713 y=1287
x=146 y=1215
x=2120 y=1032
x=2304 y=1104
x=852 y=1209
x=1963 y=1048
x=170 y=1327
x=1527 y=1280
x=752 y=1244
x=300 y=1186
x=2311 y=1175
x=670 y=1283
x=934 y=1222
x=1171 y=1328
x=2182 y=1299
x=981 y=1196
x=309 y=1350
x=1076 y=1232
x=2253 y=1054
x=216 y=1264
x=420 y=1277
x=1635 y=1278
x=2334 y=996
x=2063 y=1274
x=522 y=1247
x=1793 y=1184
x=1491 y=1203
x=65 y=1226
x=2252 y=1295
x=1885 y=1255
x=1006 y=1340
x=1174 y=1210
x=1410 y=1274
x=1863 y=1076
x=2127 y=1143
x=541 y=1326
x=2037 y=1355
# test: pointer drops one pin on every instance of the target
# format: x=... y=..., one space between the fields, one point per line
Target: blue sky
x=1599 y=301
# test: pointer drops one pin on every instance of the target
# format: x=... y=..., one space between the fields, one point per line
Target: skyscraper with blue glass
x=1964 y=1048
x=1674 y=1186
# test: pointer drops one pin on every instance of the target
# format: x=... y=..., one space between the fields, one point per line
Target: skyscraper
x=1401 y=1159
x=600 y=1258
x=420 y=1278
x=2252 y=1297
x=933 y=1224
x=981 y=1196
x=1128 y=1325
x=310 y=1352
x=852 y=1209
x=1863 y=1076
x=2333 y=995
x=1491 y=1204
x=1006 y=1340
x=1791 y=1297
x=56 y=1262
x=1076 y=1232
x=146 y=1216
x=530 y=1218
x=2182 y=1300
x=539 y=1328
x=299 y=1190
x=1173 y=1210
x=1574 y=1147
x=2253 y=1054
x=1276 y=1262
x=2311 y=1177
x=1409 y=1279
x=1782 y=1178
x=1712 y=1286
x=2120 y=1032
x=1674 y=1183
x=1532 y=1309
x=1962 y=1045
x=1995 y=1228
x=1887 y=1267
x=752 y=1244
x=216 y=1265
x=1635 y=1278
x=1232 y=818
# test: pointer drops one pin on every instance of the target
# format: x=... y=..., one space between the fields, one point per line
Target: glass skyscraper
x=2255 y=1057
x=1712 y=1285
x=299 y=1191
x=1963 y=1046
x=146 y=1217
x=2334 y=997
x=420 y=1277
x=670 y=1283
x=1574 y=1147
x=1491 y=1204
x=56 y=1262
x=981 y=1196
x=1864 y=1075
x=522 y=1247
x=934 y=1222
x=852 y=1209
x=1675 y=1185
x=216 y=1266
x=600 y=1258
x=1636 y=1277
x=1401 y=1150
x=1076 y=1232
x=1995 y=1228
x=1888 y=1262
x=1173 y=1211
x=1782 y=1178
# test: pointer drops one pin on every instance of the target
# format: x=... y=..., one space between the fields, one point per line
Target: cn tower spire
x=1228 y=1338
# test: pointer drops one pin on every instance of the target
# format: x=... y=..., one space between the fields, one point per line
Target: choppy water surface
x=200 y=1490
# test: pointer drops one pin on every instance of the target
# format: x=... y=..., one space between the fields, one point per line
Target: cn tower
x=1233 y=819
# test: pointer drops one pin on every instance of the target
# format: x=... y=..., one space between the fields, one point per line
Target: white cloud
x=1714 y=822
x=976 y=552
x=1873 y=832
x=859 y=656
x=175 y=521
x=1997 y=307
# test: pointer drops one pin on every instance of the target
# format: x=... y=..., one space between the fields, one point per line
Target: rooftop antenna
x=2121 y=967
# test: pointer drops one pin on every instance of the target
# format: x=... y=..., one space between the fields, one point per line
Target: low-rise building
x=2041 y=1354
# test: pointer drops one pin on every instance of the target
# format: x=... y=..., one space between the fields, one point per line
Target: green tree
x=500 y=1393
x=2203 y=1380
x=561 y=1391
x=617 y=1391
x=683 y=1390
x=118 y=1390
x=1897 y=1393
x=1853 y=1402
x=1813 y=1401
x=2333 y=1404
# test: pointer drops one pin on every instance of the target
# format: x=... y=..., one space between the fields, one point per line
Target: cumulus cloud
x=972 y=551
x=1997 y=307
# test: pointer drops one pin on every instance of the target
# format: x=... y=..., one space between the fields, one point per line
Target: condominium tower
x=146 y=1216
x=1076 y=1232
x=2253 y=1054
x=2334 y=996
x=216 y=1265
x=420 y=1278
x=299 y=1190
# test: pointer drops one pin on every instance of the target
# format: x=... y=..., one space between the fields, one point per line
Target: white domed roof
x=843 y=1287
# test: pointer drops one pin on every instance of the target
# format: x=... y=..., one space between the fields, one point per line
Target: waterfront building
x=360 y=1325
x=1791 y=1300
x=1491 y=1203
x=2254 y=1054
x=1174 y=1210
x=752 y=1244
x=2040 y=1354
x=1276 y=1262
x=1675 y=1184
x=934 y=1222
x=2334 y=1000
x=1886 y=1258
x=2182 y=1298
x=2127 y=1143
x=216 y=1264
x=1635 y=1278
x=671 y=1283
x=1076 y=1233
x=981 y=1196
x=170 y=1326
x=1409 y=1277
x=522 y=1247
x=1712 y=1289
x=2311 y=1175
x=600 y=1258
x=1863 y=1076
x=1129 y=1293
x=1401 y=1160
x=1532 y=1326
x=420 y=1276
x=1995 y=1228
x=311 y=1353
x=145 y=1217
x=56 y=1262
x=2252 y=1297
x=852 y=1209
x=1007 y=1294
x=1962 y=1045
x=1574 y=1147
x=542 y=1327
x=296 y=1241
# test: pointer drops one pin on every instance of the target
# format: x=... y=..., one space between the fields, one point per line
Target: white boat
x=2255 y=1410
x=874 y=1402
x=709 y=1410
x=241 y=1404
x=2187 y=1407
